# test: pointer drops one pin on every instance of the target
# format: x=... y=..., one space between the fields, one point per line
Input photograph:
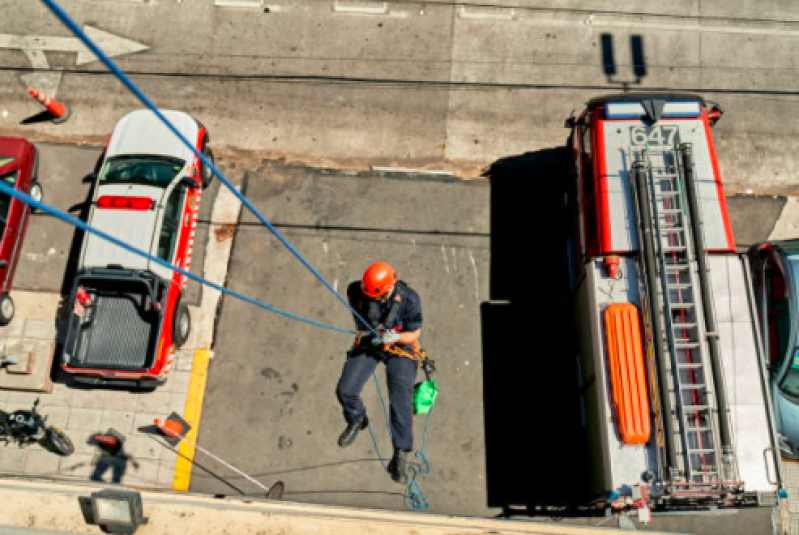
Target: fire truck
x=674 y=389
x=127 y=312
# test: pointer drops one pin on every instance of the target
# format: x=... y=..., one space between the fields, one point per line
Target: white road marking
x=239 y=3
x=494 y=14
x=34 y=48
x=111 y=44
x=446 y=260
x=339 y=7
x=607 y=21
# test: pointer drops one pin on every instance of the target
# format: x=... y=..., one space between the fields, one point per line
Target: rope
x=27 y=199
x=414 y=495
x=133 y=88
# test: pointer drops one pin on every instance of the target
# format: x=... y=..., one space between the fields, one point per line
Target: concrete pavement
x=412 y=85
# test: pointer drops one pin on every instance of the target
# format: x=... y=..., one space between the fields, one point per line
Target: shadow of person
x=113 y=456
x=117 y=464
x=534 y=435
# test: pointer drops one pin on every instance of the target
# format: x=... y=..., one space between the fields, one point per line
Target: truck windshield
x=147 y=170
x=790 y=382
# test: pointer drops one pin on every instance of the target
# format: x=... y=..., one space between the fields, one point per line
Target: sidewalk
x=146 y=460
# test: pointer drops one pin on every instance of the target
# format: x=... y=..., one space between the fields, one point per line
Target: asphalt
x=438 y=85
x=270 y=407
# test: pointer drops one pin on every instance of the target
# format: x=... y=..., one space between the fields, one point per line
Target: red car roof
x=15 y=147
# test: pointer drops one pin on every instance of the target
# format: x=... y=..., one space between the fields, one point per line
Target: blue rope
x=414 y=495
x=69 y=23
x=27 y=199
x=414 y=498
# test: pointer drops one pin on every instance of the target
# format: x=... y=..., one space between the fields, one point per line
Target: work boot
x=399 y=465
x=351 y=432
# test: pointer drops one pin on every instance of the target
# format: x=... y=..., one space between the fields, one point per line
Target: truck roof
x=641 y=97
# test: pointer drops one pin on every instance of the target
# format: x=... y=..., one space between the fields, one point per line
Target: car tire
x=36 y=192
x=182 y=327
x=6 y=309
x=207 y=174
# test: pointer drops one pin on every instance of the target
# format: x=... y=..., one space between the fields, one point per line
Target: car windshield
x=148 y=170
x=5 y=201
x=790 y=382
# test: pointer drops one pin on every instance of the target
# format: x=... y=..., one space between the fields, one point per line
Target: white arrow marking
x=33 y=46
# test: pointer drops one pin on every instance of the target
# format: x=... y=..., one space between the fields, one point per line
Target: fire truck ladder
x=667 y=222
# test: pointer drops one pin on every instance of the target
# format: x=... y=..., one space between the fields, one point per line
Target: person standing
x=394 y=310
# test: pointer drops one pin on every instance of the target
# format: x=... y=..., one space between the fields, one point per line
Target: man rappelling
x=394 y=310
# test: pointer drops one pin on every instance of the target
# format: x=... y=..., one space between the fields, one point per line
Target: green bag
x=424 y=396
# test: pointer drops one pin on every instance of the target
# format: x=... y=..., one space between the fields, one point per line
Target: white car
x=127 y=315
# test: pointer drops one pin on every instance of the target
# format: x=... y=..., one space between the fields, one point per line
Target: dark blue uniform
x=400 y=371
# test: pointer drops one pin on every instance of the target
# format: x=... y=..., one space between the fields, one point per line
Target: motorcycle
x=26 y=427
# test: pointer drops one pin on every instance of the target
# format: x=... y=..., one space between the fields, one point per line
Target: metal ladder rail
x=685 y=338
x=654 y=308
x=686 y=161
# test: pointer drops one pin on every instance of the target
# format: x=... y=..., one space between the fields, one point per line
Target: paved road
x=431 y=84
x=270 y=407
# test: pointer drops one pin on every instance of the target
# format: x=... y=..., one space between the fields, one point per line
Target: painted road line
x=643 y=24
x=111 y=44
x=239 y=3
x=361 y=8
x=194 y=407
x=497 y=13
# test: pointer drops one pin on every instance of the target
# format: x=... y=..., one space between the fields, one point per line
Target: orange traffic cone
x=60 y=111
x=173 y=427
x=170 y=428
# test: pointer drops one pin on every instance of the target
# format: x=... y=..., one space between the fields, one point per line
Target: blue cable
x=69 y=23
x=416 y=497
x=27 y=199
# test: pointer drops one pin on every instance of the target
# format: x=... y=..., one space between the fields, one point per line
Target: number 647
x=656 y=135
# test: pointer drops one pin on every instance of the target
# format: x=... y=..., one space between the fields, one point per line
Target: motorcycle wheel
x=60 y=442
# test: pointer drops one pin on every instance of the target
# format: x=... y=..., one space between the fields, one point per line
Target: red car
x=19 y=166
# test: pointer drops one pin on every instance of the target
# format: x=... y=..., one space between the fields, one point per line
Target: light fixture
x=117 y=511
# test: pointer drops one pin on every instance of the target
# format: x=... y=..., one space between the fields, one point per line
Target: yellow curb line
x=194 y=406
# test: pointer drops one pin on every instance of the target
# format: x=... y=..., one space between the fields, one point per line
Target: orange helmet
x=378 y=277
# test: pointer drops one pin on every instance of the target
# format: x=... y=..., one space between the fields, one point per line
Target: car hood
x=142 y=132
x=787 y=413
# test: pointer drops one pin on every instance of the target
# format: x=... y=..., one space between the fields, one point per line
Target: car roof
x=141 y=132
x=13 y=147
